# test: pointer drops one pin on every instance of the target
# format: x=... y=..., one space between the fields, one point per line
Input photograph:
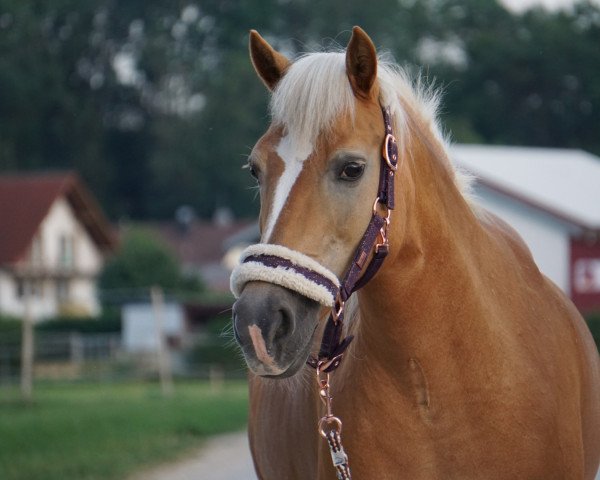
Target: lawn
x=86 y=432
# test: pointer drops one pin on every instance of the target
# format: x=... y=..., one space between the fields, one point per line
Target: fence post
x=27 y=346
x=165 y=374
x=76 y=350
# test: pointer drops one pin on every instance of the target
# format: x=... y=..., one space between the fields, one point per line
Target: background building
x=552 y=198
x=53 y=239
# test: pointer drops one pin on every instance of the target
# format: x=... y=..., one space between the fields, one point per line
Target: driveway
x=226 y=457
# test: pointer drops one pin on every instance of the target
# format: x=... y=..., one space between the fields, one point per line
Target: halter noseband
x=298 y=272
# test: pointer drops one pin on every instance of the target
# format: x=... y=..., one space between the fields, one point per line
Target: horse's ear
x=269 y=64
x=361 y=63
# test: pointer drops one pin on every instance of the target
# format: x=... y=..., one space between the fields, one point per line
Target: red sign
x=585 y=274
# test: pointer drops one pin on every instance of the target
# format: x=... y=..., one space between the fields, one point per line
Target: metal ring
x=388 y=210
x=329 y=420
x=337 y=310
x=389 y=137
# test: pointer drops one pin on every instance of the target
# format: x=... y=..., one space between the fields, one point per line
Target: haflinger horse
x=466 y=363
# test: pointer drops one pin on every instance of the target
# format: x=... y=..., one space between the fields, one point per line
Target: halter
x=296 y=271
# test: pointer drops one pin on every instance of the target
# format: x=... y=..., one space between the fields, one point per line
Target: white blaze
x=293 y=155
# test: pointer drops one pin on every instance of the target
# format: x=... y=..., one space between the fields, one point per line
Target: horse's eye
x=253 y=170
x=352 y=171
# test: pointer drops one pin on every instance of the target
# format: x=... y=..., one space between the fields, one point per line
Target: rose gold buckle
x=389 y=138
x=337 y=309
x=387 y=215
x=384 y=240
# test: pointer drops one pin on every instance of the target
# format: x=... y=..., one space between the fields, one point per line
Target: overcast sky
x=520 y=5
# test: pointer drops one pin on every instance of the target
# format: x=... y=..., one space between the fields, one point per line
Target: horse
x=466 y=361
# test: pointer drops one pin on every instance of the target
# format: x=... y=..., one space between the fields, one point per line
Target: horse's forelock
x=312 y=94
x=315 y=91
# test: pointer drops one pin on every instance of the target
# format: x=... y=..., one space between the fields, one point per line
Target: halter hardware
x=338 y=308
x=393 y=162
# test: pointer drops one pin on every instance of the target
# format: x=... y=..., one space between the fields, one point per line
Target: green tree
x=141 y=262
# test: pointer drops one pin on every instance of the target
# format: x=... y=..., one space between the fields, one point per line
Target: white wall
x=7 y=293
x=547 y=237
x=61 y=220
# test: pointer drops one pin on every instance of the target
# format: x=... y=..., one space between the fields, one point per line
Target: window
x=66 y=253
x=20 y=288
x=36 y=254
x=36 y=288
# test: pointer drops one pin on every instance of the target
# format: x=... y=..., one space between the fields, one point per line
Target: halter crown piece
x=298 y=272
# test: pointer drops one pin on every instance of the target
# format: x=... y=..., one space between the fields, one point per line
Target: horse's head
x=317 y=167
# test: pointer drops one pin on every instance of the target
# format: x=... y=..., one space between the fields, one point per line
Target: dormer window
x=36 y=254
x=66 y=255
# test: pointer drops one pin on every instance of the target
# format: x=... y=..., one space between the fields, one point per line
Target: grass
x=87 y=432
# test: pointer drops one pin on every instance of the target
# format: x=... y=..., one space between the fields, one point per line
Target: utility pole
x=165 y=374
x=27 y=345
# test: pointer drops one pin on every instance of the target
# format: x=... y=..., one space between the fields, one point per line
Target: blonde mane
x=315 y=90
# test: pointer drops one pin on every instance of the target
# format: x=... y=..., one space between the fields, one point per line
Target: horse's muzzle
x=274 y=327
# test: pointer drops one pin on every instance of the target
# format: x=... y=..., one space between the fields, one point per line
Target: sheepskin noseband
x=287 y=268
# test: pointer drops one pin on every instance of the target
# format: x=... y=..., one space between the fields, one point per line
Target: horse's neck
x=431 y=282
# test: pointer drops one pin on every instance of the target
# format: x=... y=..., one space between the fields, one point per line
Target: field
x=86 y=432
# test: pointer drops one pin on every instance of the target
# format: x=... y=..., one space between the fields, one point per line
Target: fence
x=102 y=356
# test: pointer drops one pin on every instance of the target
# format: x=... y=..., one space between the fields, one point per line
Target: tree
x=142 y=262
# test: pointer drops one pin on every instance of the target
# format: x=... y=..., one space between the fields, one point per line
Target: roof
x=199 y=243
x=25 y=200
x=562 y=182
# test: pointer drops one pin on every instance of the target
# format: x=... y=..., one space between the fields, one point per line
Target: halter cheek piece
x=296 y=271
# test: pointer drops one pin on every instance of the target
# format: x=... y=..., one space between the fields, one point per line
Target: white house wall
x=547 y=238
x=61 y=220
x=8 y=299
x=41 y=306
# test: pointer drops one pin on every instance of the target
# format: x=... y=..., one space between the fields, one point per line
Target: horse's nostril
x=284 y=325
x=236 y=334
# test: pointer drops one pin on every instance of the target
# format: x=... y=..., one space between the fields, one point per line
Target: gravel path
x=226 y=457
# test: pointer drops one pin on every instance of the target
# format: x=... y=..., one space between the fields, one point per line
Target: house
x=53 y=240
x=201 y=245
x=552 y=198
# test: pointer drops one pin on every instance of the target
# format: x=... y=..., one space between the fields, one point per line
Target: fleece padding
x=286 y=277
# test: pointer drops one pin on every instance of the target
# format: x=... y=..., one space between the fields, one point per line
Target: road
x=226 y=457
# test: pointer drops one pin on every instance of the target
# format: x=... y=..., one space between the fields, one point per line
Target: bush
x=142 y=262
x=10 y=329
x=108 y=322
x=593 y=321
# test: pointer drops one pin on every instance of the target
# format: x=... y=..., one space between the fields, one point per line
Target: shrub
x=593 y=321
x=108 y=322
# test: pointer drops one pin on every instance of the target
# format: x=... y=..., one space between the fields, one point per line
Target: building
x=53 y=240
x=552 y=198
x=200 y=246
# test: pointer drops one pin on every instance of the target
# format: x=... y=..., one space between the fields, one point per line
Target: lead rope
x=332 y=349
x=334 y=434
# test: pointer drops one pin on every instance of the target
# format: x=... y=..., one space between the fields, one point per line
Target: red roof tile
x=25 y=200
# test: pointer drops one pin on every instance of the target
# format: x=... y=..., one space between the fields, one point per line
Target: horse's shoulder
x=506 y=236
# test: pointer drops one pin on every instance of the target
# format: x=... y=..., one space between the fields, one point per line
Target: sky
x=520 y=5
